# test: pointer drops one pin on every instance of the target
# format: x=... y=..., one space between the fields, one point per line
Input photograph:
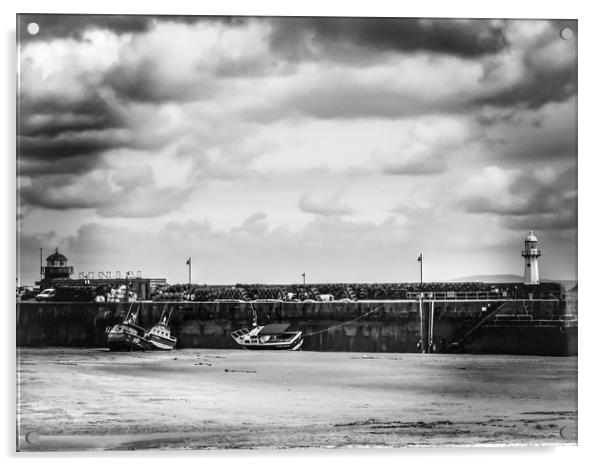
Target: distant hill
x=574 y=290
x=503 y=278
x=510 y=278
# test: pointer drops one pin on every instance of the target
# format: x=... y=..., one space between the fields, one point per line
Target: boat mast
x=128 y=313
x=254 y=315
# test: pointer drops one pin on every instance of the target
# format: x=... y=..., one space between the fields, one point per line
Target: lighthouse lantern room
x=56 y=267
x=531 y=253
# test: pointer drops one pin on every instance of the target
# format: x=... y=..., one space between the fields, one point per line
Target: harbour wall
x=532 y=327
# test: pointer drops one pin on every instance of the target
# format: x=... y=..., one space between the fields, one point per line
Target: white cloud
x=324 y=205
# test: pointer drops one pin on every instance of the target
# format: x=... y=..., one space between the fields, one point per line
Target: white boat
x=159 y=336
x=269 y=337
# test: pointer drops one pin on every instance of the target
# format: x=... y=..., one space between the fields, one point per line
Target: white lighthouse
x=531 y=253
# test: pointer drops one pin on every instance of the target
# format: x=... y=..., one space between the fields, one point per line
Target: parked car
x=47 y=295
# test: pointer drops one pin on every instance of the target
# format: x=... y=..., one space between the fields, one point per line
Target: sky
x=263 y=148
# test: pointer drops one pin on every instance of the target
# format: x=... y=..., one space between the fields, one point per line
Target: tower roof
x=56 y=256
x=531 y=236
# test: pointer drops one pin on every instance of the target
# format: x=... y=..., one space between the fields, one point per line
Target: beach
x=92 y=399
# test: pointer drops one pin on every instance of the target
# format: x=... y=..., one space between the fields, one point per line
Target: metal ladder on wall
x=478 y=325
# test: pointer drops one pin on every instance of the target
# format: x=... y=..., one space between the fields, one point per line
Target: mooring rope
x=344 y=323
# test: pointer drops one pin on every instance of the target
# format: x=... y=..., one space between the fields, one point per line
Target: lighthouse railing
x=57 y=269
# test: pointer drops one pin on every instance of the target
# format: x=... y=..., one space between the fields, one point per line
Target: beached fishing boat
x=159 y=336
x=269 y=337
x=128 y=336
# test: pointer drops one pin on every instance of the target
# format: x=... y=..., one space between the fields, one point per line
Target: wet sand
x=82 y=399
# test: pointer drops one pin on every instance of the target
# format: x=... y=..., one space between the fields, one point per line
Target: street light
x=189 y=264
x=421 y=343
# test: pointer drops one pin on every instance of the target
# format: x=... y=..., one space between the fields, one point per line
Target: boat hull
x=127 y=337
x=255 y=340
x=127 y=342
x=162 y=344
x=280 y=346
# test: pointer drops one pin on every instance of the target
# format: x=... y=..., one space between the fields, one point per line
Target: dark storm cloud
x=77 y=165
x=74 y=26
x=67 y=133
x=63 y=192
x=143 y=82
x=464 y=38
x=537 y=88
x=51 y=115
x=549 y=203
x=517 y=135
x=543 y=80
x=131 y=193
x=70 y=145
x=70 y=152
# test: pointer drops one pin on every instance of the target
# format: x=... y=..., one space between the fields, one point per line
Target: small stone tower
x=56 y=267
x=531 y=253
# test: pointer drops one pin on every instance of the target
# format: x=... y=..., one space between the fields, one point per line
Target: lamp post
x=420 y=314
x=303 y=275
x=189 y=264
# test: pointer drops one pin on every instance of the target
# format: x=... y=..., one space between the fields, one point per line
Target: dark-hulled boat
x=128 y=336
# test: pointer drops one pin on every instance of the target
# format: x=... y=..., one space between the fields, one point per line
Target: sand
x=82 y=399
